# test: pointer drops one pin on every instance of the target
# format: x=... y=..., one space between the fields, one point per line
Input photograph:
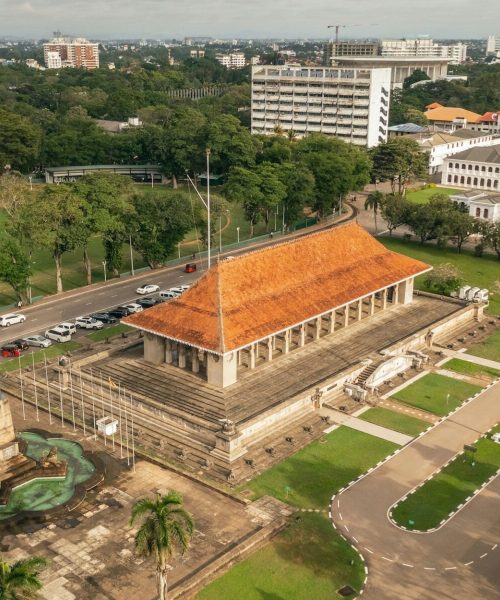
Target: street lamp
x=131 y=255
x=238 y=234
x=30 y=179
x=152 y=181
x=104 y=267
x=206 y=204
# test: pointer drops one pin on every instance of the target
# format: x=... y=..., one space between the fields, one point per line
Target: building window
x=488 y=183
x=455 y=180
x=463 y=166
x=475 y=180
x=450 y=165
x=481 y=183
x=478 y=212
x=485 y=213
x=476 y=168
x=449 y=178
x=462 y=179
x=457 y=166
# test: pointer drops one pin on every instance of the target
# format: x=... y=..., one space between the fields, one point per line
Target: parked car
x=133 y=307
x=21 y=344
x=146 y=302
x=190 y=268
x=10 y=350
x=57 y=335
x=38 y=340
x=11 y=319
x=119 y=312
x=88 y=323
x=148 y=289
x=66 y=326
x=168 y=295
x=179 y=290
x=104 y=317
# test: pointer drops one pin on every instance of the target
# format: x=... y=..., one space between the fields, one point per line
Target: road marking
x=483 y=555
x=89 y=304
x=493 y=547
x=35 y=319
x=115 y=296
x=407 y=565
x=387 y=559
x=347 y=529
x=368 y=550
x=469 y=563
x=449 y=568
x=355 y=540
x=340 y=515
x=430 y=568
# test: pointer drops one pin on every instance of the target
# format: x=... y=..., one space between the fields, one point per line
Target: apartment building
x=476 y=167
x=492 y=45
x=424 y=47
x=78 y=53
x=351 y=104
x=235 y=60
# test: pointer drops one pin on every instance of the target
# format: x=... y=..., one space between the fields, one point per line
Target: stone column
x=286 y=341
x=360 y=309
x=270 y=349
x=168 y=352
x=302 y=335
x=346 y=315
x=384 y=299
x=333 y=314
x=154 y=349
x=319 y=326
x=182 y=356
x=222 y=370
x=372 y=305
x=405 y=295
x=395 y=296
x=251 y=356
x=195 y=363
x=240 y=357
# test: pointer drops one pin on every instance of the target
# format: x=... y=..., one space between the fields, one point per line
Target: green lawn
x=422 y=196
x=102 y=334
x=11 y=364
x=310 y=477
x=472 y=369
x=307 y=560
x=394 y=420
x=481 y=272
x=436 y=393
x=489 y=348
x=449 y=488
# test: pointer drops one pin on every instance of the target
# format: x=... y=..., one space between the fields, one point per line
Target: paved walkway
x=367 y=427
x=485 y=362
x=408 y=410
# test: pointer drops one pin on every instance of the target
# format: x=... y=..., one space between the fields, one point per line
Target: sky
x=160 y=19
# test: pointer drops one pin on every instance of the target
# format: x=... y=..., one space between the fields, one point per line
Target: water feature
x=44 y=494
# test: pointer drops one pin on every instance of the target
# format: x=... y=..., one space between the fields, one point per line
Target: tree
x=400 y=161
x=417 y=75
x=491 y=235
x=166 y=527
x=15 y=266
x=299 y=184
x=19 y=142
x=159 y=222
x=431 y=221
x=394 y=211
x=460 y=226
x=272 y=188
x=244 y=186
x=444 y=278
x=375 y=202
x=20 y=580
x=230 y=144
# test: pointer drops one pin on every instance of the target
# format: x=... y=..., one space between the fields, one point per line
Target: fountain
x=38 y=473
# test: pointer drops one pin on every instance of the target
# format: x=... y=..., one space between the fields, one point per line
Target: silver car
x=38 y=340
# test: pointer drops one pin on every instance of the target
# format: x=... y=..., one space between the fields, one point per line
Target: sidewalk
x=485 y=362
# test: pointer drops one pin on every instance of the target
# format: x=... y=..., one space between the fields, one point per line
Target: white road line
x=347 y=529
x=494 y=547
x=449 y=568
x=340 y=515
x=89 y=304
x=355 y=540
x=469 y=563
x=483 y=555
x=387 y=559
x=407 y=565
x=429 y=568
x=368 y=550
x=115 y=296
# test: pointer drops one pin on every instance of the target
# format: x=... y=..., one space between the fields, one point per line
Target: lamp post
x=131 y=255
x=104 y=267
x=179 y=249
x=152 y=180
x=238 y=234
x=30 y=179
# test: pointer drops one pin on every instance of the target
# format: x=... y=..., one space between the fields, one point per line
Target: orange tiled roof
x=436 y=112
x=250 y=297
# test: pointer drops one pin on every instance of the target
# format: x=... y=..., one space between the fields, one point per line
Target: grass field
x=481 y=272
x=436 y=393
x=310 y=477
x=11 y=364
x=102 y=334
x=449 y=488
x=394 y=420
x=422 y=196
x=472 y=369
x=489 y=348
x=306 y=560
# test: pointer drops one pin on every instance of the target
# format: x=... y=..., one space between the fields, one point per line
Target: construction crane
x=339 y=27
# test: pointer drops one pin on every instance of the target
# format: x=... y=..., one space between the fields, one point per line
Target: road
x=459 y=561
x=102 y=296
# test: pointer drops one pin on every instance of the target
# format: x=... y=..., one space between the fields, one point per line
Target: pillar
x=372 y=304
x=168 y=352
x=286 y=341
x=346 y=315
x=270 y=349
x=360 y=309
x=302 y=335
x=384 y=299
x=319 y=325
x=395 y=295
x=182 y=356
x=195 y=363
x=333 y=314
x=406 y=291
x=240 y=357
x=154 y=349
x=222 y=370
x=251 y=356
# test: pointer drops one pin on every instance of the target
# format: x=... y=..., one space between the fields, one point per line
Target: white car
x=133 y=307
x=88 y=323
x=58 y=336
x=168 y=295
x=11 y=319
x=66 y=326
x=177 y=290
x=148 y=289
x=38 y=340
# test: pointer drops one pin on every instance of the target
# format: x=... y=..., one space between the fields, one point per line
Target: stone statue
x=51 y=460
x=228 y=426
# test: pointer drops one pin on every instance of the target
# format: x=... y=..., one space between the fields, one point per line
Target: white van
x=57 y=335
x=168 y=295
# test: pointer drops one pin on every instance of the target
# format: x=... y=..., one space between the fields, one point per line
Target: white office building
x=53 y=60
x=481 y=205
x=351 y=104
x=492 y=45
x=424 y=47
x=235 y=60
x=476 y=167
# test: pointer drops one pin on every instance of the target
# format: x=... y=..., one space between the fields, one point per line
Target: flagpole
x=48 y=389
x=34 y=385
x=81 y=400
x=22 y=387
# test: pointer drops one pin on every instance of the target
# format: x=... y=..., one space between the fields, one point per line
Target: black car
x=146 y=302
x=21 y=344
x=104 y=317
x=119 y=312
x=125 y=309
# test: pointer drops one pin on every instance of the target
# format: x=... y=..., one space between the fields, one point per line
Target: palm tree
x=291 y=135
x=278 y=130
x=19 y=581
x=165 y=526
x=374 y=202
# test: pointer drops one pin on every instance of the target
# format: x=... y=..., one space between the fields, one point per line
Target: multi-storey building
x=349 y=48
x=489 y=122
x=53 y=60
x=72 y=53
x=235 y=60
x=477 y=167
x=351 y=104
x=493 y=45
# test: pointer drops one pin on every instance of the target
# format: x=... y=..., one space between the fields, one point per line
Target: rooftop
x=253 y=296
x=408 y=128
x=485 y=154
x=437 y=112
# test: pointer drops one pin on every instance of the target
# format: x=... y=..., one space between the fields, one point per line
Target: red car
x=10 y=350
x=190 y=268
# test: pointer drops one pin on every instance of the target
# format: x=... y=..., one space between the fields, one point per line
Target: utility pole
x=131 y=255
x=206 y=204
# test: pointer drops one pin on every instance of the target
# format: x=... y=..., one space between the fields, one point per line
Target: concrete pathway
x=366 y=427
x=485 y=362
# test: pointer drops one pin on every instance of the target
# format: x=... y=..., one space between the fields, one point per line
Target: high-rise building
x=351 y=104
x=53 y=60
x=72 y=53
x=492 y=44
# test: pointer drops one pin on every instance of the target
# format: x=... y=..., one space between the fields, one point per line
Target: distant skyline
x=105 y=19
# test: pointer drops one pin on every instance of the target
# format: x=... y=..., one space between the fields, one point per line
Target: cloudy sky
x=248 y=18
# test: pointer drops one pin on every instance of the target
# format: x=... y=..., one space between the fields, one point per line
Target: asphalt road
x=459 y=561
